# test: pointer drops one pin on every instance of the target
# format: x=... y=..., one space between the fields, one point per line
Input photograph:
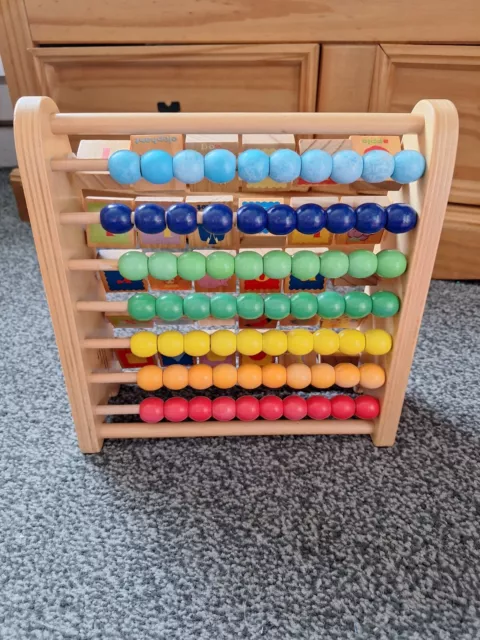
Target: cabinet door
x=189 y=78
x=405 y=74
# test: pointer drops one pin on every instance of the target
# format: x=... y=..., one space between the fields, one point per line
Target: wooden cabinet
x=186 y=78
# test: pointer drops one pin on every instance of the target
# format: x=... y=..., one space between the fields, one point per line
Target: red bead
x=151 y=410
x=343 y=407
x=200 y=409
x=318 y=407
x=248 y=408
x=224 y=408
x=367 y=407
x=271 y=407
x=294 y=407
x=176 y=409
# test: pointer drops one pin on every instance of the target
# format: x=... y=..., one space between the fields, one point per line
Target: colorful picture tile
x=164 y=240
x=261 y=359
x=213 y=359
x=322 y=238
x=263 y=284
x=129 y=361
x=260 y=323
x=207 y=284
x=114 y=281
x=314 y=285
x=99 y=238
x=177 y=284
x=183 y=358
x=290 y=321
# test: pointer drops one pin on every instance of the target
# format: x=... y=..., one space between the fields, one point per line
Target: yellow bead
x=170 y=343
x=197 y=343
x=352 y=342
x=300 y=342
x=223 y=342
x=377 y=342
x=274 y=342
x=325 y=342
x=249 y=342
x=143 y=344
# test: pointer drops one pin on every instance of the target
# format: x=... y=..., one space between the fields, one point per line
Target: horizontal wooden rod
x=93 y=264
x=94 y=218
x=311 y=123
x=69 y=165
x=113 y=377
x=213 y=429
x=116 y=409
x=104 y=306
x=106 y=343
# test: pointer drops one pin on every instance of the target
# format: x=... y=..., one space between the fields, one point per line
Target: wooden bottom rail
x=258 y=428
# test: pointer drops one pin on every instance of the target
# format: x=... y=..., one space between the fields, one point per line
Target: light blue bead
x=285 y=165
x=124 y=166
x=378 y=166
x=347 y=167
x=220 y=166
x=188 y=166
x=253 y=165
x=409 y=166
x=316 y=165
x=157 y=166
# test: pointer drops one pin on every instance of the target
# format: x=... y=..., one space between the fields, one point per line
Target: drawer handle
x=173 y=107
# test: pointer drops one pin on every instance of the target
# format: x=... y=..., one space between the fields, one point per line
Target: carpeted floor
x=271 y=538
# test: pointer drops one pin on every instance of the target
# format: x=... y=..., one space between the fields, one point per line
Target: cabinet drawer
x=404 y=74
x=197 y=77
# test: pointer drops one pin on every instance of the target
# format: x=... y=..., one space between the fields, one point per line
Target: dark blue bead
x=400 y=218
x=251 y=218
x=182 y=218
x=340 y=218
x=217 y=219
x=371 y=217
x=116 y=218
x=150 y=218
x=311 y=218
x=281 y=219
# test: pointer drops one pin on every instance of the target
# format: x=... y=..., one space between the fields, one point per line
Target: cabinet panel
x=404 y=74
x=198 y=78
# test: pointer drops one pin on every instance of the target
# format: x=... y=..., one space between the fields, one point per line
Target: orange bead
x=372 y=376
x=200 y=376
x=150 y=378
x=299 y=375
x=249 y=376
x=224 y=376
x=274 y=375
x=175 y=377
x=323 y=376
x=347 y=375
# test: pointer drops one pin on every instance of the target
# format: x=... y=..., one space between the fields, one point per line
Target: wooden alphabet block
x=124 y=321
x=166 y=239
x=206 y=142
x=129 y=361
x=172 y=143
x=354 y=237
x=202 y=239
x=320 y=239
x=176 y=284
x=97 y=236
x=264 y=239
x=267 y=143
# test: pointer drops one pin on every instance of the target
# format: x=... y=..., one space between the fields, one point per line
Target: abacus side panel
x=429 y=196
x=49 y=194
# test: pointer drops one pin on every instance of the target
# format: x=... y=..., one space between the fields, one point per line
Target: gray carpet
x=272 y=538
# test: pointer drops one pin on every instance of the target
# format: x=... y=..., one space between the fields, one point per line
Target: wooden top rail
x=213 y=429
x=308 y=123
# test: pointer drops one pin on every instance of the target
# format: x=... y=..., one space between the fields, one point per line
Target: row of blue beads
x=284 y=165
x=279 y=219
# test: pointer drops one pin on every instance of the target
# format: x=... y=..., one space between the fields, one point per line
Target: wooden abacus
x=77 y=299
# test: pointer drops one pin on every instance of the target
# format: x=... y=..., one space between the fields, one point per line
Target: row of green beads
x=249 y=265
x=197 y=306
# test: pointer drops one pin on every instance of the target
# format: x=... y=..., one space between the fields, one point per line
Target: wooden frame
x=43 y=146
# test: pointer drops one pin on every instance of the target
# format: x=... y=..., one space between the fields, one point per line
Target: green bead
x=248 y=265
x=391 y=263
x=163 y=265
x=385 y=304
x=362 y=264
x=330 y=304
x=250 y=306
x=223 y=306
x=169 y=307
x=220 y=265
x=358 y=304
x=192 y=266
x=277 y=264
x=196 y=306
x=303 y=305
x=141 y=306
x=277 y=306
x=133 y=265
x=305 y=265
x=333 y=264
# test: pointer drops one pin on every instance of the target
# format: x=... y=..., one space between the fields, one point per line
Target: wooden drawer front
x=200 y=78
x=404 y=74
